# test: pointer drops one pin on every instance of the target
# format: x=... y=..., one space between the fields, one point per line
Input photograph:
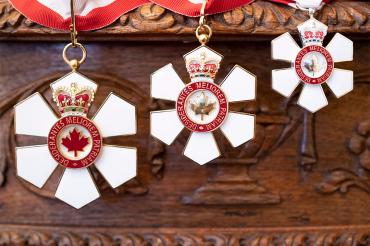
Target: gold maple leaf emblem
x=202 y=106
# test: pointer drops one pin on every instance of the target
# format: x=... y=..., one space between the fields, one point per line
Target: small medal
x=313 y=65
x=74 y=141
x=202 y=106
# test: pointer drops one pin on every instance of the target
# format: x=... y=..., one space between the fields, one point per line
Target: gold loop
x=74 y=64
x=203 y=33
x=202 y=20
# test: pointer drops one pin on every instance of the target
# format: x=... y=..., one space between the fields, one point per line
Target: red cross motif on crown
x=313 y=65
x=202 y=106
x=74 y=141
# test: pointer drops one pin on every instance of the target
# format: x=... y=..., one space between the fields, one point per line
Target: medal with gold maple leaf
x=74 y=141
x=202 y=106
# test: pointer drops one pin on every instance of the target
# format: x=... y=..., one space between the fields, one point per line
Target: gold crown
x=73 y=100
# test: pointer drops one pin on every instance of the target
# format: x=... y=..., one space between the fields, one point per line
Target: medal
x=314 y=64
x=202 y=106
x=74 y=141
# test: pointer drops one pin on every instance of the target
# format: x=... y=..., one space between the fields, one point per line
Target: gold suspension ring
x=74 y=63
x=203 y=31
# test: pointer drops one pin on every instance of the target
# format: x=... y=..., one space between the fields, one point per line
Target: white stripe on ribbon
x=82 y=7
x=196 y=1
x=309 y=4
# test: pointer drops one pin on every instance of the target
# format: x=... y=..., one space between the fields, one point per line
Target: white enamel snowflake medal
x=202 y=106
x=313 y=65
x=74 y=141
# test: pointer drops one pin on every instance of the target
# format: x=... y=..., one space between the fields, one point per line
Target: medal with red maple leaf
x=74 y=141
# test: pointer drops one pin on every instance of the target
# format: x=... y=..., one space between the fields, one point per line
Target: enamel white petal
x=284 y=48
x=77 y=188
x=165 y=125
x=341 y=82
x=166 y=83
x=239 y=85
x=285 y=81
x=74 y=77
x=116 y=117
x=35 y=164
x=34 y=117
x=340 y=48
x=117 y=164
x=238 y=128
x=312 y=98
x=201 y=147
x=209 y=53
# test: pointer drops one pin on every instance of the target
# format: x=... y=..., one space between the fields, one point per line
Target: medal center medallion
x=314 y=64
x=202 y=106
x=74 y=142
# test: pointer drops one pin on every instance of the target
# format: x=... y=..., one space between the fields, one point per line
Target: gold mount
x=74 y=63
x=203 y=31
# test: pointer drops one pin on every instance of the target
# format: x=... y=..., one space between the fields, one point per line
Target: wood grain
x=304 y=180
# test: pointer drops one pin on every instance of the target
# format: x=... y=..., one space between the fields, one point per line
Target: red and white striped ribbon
x=305 y=4
x=192 y=7
x=95 y=14
x=90 y=15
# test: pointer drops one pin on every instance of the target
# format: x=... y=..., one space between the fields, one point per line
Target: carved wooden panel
x=304 y=180
x=260 y=19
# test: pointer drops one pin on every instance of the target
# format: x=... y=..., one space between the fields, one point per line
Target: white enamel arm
x=166 y=83
x=165 y=125
x=116 y=117
x=35 y=164
x=77 y=187
x=340 y=48
x=239 y=128
x=284 y=48
x=202 y=147
x=34 y=117
x=239 y=85
x=341 y=82
x=285 y=81
x=117 y=164
x=312 y=98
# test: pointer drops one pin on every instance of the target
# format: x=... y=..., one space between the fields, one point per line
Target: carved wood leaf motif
x=261 y=17
x=341 y=179
x=293 y=238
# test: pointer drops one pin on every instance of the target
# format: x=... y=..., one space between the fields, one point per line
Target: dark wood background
x=304 y=180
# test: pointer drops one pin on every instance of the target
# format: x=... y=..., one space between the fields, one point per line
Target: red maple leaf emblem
x=75 y=141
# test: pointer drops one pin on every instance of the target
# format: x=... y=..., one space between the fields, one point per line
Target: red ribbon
x=95 y=19
x=187 y=8
x=100 y=17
